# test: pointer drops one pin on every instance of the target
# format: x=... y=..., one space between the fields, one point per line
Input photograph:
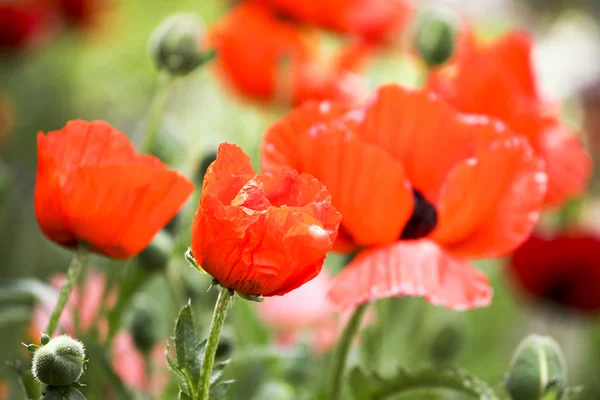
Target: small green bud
x=143 y=330
x=44 y=339
x=538 y=370
x=434 y=36
x=447 y=344
x=31 y=347
x=155 y=256
x=60 y=362
x=177 y=44
x=61 y=393
x=208 y=158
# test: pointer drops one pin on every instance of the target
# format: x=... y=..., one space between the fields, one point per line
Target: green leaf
x=189 y=352
x=184 y=396
x=218 y=391
x=371 y=386
x=218 y=371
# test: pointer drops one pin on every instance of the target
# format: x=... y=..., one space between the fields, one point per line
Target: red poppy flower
x=92 y=187
x=375 y=20
x=81 y=12
x=420 y=186
x=24 y=23
x=562 y=270
x=261 y=234
x=498 y=80
x=268 y=59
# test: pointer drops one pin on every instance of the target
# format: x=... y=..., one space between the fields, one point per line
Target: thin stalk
x=223 y=304
x=340 y=354
x=77 y=263
x=155 y=113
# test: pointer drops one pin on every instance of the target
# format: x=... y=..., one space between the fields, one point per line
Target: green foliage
x=189 y=353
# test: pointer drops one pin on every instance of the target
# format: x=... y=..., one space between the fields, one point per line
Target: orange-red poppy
x=498 y=80
x=82 y=12
x=261 y=234
x=267 y=59
x=375 y=20
x=93 y=188
x=25 y=23
x=420 y=186
x=561 y=270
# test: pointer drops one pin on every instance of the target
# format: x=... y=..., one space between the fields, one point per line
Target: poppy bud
x=177 y=44
x=225 y=348
x=60 y=362
x=538 y=370
x=142 y=330
x=447 y=344
x=45 y=339
x=434 y=36
x=61 y=393
x=156 y=255
x=208 y=158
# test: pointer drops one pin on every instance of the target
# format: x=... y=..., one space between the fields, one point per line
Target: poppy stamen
x=423 y=219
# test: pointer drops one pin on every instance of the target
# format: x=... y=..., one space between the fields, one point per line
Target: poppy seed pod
x=538 y=370
x=142 y=330
x=435 y=36
x=177 y=44
x=60 y=362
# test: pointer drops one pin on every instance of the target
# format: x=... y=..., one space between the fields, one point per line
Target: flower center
x=423 y=219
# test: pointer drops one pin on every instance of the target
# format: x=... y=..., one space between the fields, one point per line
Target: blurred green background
x=106 y=73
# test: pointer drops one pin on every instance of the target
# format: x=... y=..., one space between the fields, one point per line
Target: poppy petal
x=410 y=268
x=492 y=201
x=368 y=187
x=419 y=130
x=119 y=217
x=567 y=163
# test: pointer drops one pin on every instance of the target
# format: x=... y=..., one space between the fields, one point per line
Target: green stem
x=223 y=303
x=341 y=352
x=155 y=112
x=72 y=276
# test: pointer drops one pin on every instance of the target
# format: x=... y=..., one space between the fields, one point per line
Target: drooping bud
x=59 y=362
x=155 y=256
x=143 y=330
x=447 y=344
x=61 y=393
x=538 y=370
x=177 y=44
x=435 y=35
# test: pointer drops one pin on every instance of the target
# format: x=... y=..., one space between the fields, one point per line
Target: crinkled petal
x=410 y=268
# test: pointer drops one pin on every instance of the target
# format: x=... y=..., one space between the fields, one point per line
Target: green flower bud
x=208 y=158
x=177 y=44
x=143 y=330
x=155 y=256
x=44 y=339
x=538 y=370
x=434 y=36
x=60 y=362
x=447 y=344
x=61 y=393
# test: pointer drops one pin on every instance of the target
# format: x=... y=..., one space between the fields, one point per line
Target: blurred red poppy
x=498 y=80
x=92 y=187
x=421 y=186
x=24 y=23
x=81 y=12
x=261 y=234
x=375 y=20
x=267 y=59
x=562 y=270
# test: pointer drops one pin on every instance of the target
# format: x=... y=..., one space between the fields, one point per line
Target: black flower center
x=423 y=219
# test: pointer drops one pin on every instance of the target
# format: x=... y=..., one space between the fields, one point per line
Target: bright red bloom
x=420 y=186
x=372 y=19
x=498 y=80
x=267 y=59
x=92 y=187
x=23 y=23
x=261 y=234
x=563 y=270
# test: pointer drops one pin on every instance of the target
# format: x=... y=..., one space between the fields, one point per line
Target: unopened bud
x=44 y=339
x=143 y=330
x=447 y=344
x=538 y=370
x=177 y=44
x=61 y=393
x=435 y=36
x=208 y=158
x=155 y=256
x=60 y=362
x=225 y=348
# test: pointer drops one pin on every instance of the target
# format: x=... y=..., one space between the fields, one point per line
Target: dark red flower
x=563 y=270
x=261 y=234
x=375 y=20
x=24 y=23
x=92 y=187
x=81 y=12
x=268 y=59
x=420 y=186
x=498 y=80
